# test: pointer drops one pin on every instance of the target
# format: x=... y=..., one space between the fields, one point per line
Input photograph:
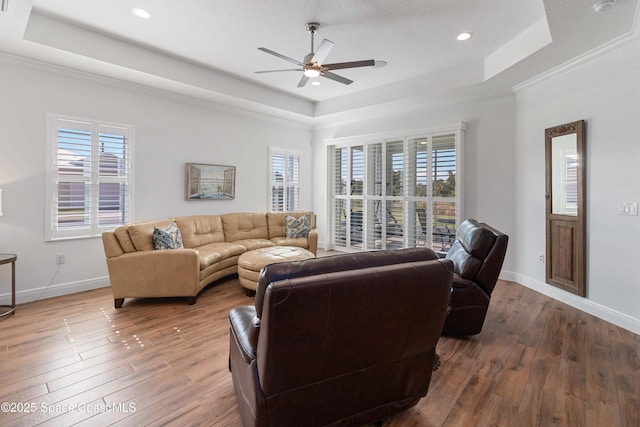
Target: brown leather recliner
x=477 y=255
x=341 y=340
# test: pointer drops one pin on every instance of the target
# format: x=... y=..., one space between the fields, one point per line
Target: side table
x=6 y=259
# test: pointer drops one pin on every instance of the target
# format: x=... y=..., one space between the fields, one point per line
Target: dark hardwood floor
x=75 y=360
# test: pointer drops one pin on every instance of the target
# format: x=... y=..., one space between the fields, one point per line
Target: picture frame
x=210 y=182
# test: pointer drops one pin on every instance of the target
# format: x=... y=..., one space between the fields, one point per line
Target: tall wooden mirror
x=565 y=205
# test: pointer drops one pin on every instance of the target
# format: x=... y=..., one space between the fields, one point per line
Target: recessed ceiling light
x=315 y=83
x=141 y=13
x=464 y=36
x=604 y=5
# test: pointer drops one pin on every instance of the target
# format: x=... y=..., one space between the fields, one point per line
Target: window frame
x=340 y=235
x=286 y=184
x=93 y=179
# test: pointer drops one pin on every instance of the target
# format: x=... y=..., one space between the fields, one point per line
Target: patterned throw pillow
x=169 y=238
x=297 y=227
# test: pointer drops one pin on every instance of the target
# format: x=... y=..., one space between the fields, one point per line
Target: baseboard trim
x=61 y=289
x=619 y=319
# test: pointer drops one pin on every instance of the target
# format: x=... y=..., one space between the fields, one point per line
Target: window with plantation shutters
x=395 y=192
x=284 y=179
x=89 y=177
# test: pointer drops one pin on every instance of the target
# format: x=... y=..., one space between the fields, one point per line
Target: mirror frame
x=566 y=234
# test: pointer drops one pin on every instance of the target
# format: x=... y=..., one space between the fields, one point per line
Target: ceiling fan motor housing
x=312 y=27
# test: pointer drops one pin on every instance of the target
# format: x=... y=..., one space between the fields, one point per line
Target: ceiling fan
x=313 y=63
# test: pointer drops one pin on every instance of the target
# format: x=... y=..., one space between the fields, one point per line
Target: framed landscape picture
x=210 y=182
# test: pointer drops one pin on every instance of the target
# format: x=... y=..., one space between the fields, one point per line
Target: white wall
x=488 y=156
x=605 y=93
x=168 y=133
x=503 y=158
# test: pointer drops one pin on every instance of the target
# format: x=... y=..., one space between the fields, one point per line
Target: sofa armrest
x=146 y=274
x=245 y=327
x=313 y=241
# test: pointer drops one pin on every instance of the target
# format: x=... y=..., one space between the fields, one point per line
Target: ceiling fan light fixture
x=311 y=72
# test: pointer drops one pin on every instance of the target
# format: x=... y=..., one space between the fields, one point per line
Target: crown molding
x=581 y=60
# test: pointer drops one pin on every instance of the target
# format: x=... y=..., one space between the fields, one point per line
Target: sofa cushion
x=296 y=227
x=243 y=226
x=301 y=242
x=141 y=233
x=217 y=252
x=252 y=244
x=277 y=225
x=122 y=233
x=167 y=238
x=200 y=230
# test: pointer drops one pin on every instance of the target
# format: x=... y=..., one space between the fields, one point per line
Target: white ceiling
x=208 y=49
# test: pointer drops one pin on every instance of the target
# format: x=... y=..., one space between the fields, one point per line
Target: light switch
x=628 y=208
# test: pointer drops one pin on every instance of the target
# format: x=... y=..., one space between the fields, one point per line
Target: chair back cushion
x=341 y=343
x=478 y=253
x=275 y=272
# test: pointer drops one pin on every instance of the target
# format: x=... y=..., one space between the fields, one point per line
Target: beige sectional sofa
x=212 y=245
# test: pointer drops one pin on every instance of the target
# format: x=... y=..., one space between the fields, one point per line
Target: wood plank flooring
x=75 y=360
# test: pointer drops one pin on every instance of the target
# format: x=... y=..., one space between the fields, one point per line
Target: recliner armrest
x=244 y=328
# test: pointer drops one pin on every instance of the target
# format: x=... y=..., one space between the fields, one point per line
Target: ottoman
x=251 y=262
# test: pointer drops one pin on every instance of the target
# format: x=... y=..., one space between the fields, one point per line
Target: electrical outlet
x=541 y=258
x=60 y=259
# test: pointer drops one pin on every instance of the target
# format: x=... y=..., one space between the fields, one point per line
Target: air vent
x=4 y=6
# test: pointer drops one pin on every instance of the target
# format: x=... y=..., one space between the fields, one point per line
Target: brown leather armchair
x=341 y=340
x=477 y=255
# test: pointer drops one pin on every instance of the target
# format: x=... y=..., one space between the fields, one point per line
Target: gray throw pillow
x=297 y=227
x=168 y=238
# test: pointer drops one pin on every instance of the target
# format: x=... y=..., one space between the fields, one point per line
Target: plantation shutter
x=113 y=188
x=277 y=182
x=293 y=182
x=73 y=196
x=285 y=181
x=340 y=185
x=443 y=179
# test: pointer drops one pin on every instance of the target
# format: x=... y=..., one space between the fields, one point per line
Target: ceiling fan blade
x=336 y=77
x=352 y=64
x=277 y=71
x=322 y=51
x=281 y=56
x=303 y=81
